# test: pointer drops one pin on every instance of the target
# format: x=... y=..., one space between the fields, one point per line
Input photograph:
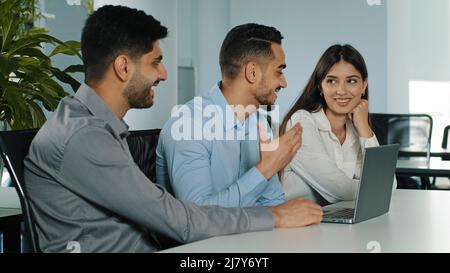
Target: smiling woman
x=333 y=111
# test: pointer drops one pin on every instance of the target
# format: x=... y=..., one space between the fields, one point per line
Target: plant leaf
x=28 y=81
x=49 y=102
x=37 y=114
x=78 y=68
x=70 y=48
x=3 y=82
x=66 y=78
x=38 y=30
x=25 y=42
x=7 y=66
x=8 y=29
x=33 y=52
x=18 y=105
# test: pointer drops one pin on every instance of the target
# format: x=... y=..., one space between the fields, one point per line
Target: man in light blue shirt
x=223 y=164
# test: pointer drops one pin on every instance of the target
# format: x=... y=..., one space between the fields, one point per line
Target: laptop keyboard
x=340 y=214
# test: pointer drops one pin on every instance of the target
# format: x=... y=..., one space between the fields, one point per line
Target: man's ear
x=251 y=72
x=122 y=67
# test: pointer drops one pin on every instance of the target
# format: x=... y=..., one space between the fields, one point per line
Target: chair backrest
x=142 y=145
x=411 y=131
x=14 y=147
x=445 y=137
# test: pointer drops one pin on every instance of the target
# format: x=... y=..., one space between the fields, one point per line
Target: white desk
x=9 y=198
x=418 y=221
x=420 y=167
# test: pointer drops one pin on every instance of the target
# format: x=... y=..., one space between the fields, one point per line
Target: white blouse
x=323 y=168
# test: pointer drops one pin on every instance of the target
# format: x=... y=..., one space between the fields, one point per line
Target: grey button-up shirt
x=86 y=190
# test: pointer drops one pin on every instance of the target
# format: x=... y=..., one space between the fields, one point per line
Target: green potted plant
x=28 y=80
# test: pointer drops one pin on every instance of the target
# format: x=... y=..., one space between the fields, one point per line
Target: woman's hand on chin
x=360 y=118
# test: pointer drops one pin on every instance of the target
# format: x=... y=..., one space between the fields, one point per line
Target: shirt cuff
x=251 y=181
x=260 y=218
x=369 y=142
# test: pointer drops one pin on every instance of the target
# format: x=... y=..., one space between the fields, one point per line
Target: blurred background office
x=406 y=44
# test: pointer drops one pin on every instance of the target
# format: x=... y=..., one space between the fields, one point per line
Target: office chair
x=142 y=144
x=413 y=133
x=445 y=141
x=14 y=147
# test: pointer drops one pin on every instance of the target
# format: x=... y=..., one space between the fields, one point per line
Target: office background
x=406 y=44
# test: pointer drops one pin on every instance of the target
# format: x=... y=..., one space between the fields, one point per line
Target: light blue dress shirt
x=215 y=172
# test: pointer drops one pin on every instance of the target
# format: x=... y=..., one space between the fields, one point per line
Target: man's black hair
x=245 y=43
x=114 y=30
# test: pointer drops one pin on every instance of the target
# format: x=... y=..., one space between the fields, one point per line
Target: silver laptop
x=375 y=188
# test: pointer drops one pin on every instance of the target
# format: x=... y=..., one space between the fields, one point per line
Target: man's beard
x=263 y=98
x=138 y=92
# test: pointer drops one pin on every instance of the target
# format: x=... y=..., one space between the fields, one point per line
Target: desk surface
x=418 y=221
x=434 y=152
x=4 y=213
x=9 y=198
x=9 y=207
x=419 y=166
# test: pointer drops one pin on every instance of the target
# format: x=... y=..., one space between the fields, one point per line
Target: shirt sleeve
x=273 y=194
x=97 y=168
x=313 y=165
x=369 y=142
x=191 y=177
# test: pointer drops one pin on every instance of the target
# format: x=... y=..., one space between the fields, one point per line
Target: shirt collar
x=98 y=108
x=351 y=133
x=219 y=100
x=324 y=125
x=321 y=120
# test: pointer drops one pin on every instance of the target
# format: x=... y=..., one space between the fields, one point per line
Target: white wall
x=166 y=93
x=211 y=26
x=185 y=30
x=66 y=24
x=202 y=26
x=418 y=43
x=401 y=40
x=309 y=28
x=198 y=27
x=398 y=40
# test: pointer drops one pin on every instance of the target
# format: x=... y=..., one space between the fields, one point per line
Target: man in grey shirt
x=85 y=189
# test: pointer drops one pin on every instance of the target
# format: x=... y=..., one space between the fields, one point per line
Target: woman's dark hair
x=114 y=30
x=311 y=100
